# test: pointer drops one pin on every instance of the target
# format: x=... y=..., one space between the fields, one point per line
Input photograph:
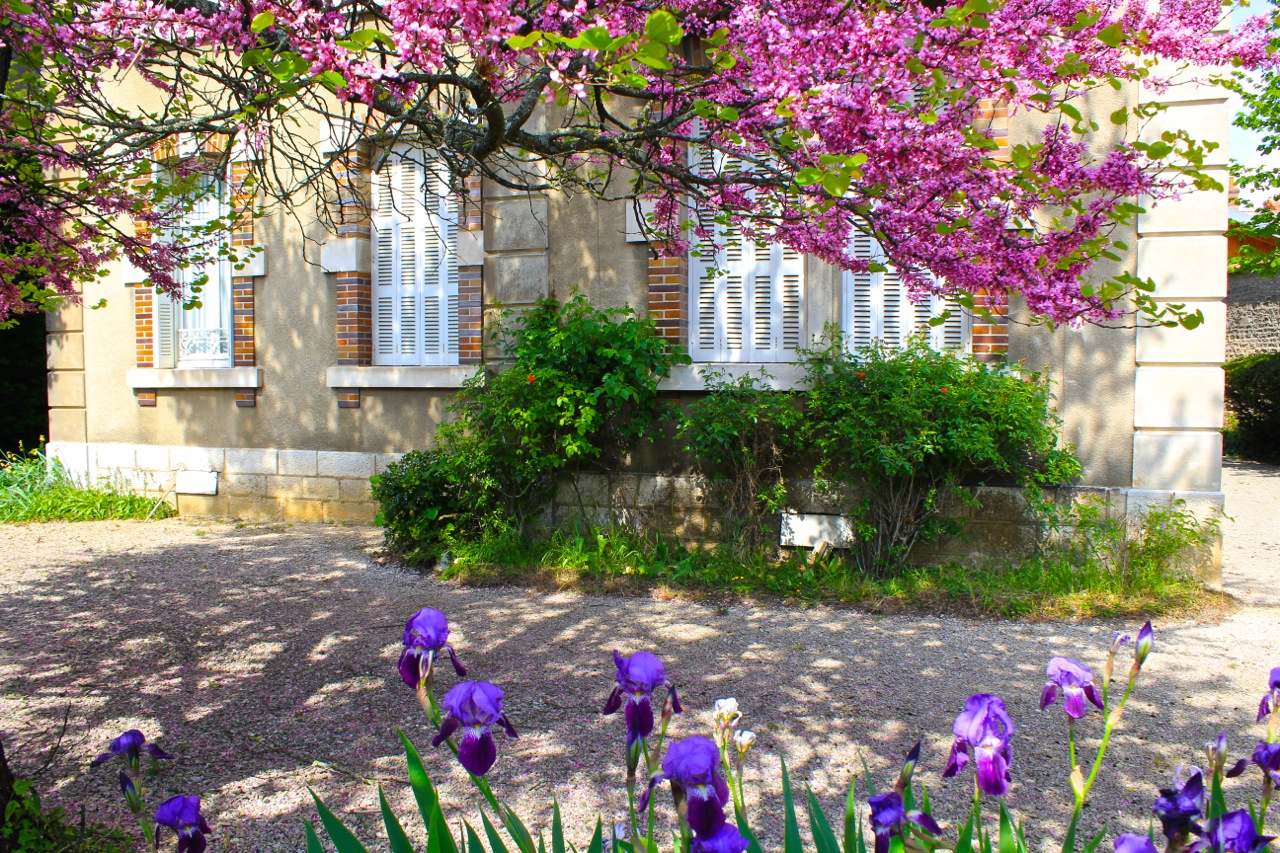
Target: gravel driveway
x=266 y=656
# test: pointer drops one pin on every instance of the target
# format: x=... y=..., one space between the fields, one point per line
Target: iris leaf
x=491 y=832
x=343 y=839
x=474 y=845
x=1217 y=802
x=753 y=843
x=964 y=841
x=439 y=839
x=597 y=839
x=313 y=840
x=791 y=829
x=423 y=792
x=557 y=828
x=852 y=827
x=1093 y=843
x=521 y=835
x=824 y=839
x=1069 y=842
x=1008 y=841
x=396 y=838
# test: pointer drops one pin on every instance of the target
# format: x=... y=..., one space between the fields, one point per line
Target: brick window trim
x=669 y=309
x=354 y=309
x=243 y=327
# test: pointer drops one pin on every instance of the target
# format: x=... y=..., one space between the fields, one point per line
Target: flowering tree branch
x=800 y=121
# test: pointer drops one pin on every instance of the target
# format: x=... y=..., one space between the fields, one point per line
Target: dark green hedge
x=1253 y=396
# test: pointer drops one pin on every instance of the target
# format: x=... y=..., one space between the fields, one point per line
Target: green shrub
x=1253 y=396
x=430 y=497
x=896 y=434
x=27 y=827
x=34 y=487
x=738 y=434
x=581 y=388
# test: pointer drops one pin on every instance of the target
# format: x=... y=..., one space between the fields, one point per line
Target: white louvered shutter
x=876 y=306
x=415 y=276
x=204 y=332
x=164 y=325
x=746 y=299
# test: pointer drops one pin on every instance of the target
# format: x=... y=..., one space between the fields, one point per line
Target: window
x=745 y=298
x=876 y=307
x=415 y=270
x=198 y=336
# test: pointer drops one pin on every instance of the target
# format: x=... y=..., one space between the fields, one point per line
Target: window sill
x=194 y=377
x=433 y=376
x=783 y=376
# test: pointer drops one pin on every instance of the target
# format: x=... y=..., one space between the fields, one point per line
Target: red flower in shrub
x=943 y=390
x=531 y=378
x=862 y=376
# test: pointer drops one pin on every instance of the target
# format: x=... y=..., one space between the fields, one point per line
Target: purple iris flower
x=1272 y=698
x=1234 y=832
x=1076 y=681
x=475 y=707
x=130 y=791
x=1267 y=757
x=984 y=726
x=425 y=635
x=727 y=840
x=1178 y=808
x=1130 y=843
x=1142 y=647
x=130 y=747
x=1216 y=752
x=908 y=769
x=693 y=767
x=638 y=676
x=889 y=817
x=182 y=815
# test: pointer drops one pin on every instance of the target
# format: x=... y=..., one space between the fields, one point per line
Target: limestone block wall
x=1178 y=383
x=254 y=483
x=997 y=527
x=1253 y=315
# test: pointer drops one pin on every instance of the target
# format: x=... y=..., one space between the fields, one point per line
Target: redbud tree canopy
x=801 y=121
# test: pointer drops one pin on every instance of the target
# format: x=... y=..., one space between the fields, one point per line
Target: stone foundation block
x=252 y=461
x=344 y=464
x=997 y=504
x=350 y=511
x=299 y=463
x=320 y=488
x=354 y=490
x=197 y=458
x=211 y=505
x=153 y=457
x=284 y=487
x=244 y=485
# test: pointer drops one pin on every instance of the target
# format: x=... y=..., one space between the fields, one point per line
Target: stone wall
x=264 y=484
x=997 y=525
x=1253 y=315
x=254 y=483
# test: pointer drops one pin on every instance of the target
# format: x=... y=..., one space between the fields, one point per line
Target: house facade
x=327 y=353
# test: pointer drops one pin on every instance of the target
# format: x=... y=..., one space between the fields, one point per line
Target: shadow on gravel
x=256 y=659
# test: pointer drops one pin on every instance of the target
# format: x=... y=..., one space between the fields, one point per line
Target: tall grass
x=1091 y=567
x=34 y=487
